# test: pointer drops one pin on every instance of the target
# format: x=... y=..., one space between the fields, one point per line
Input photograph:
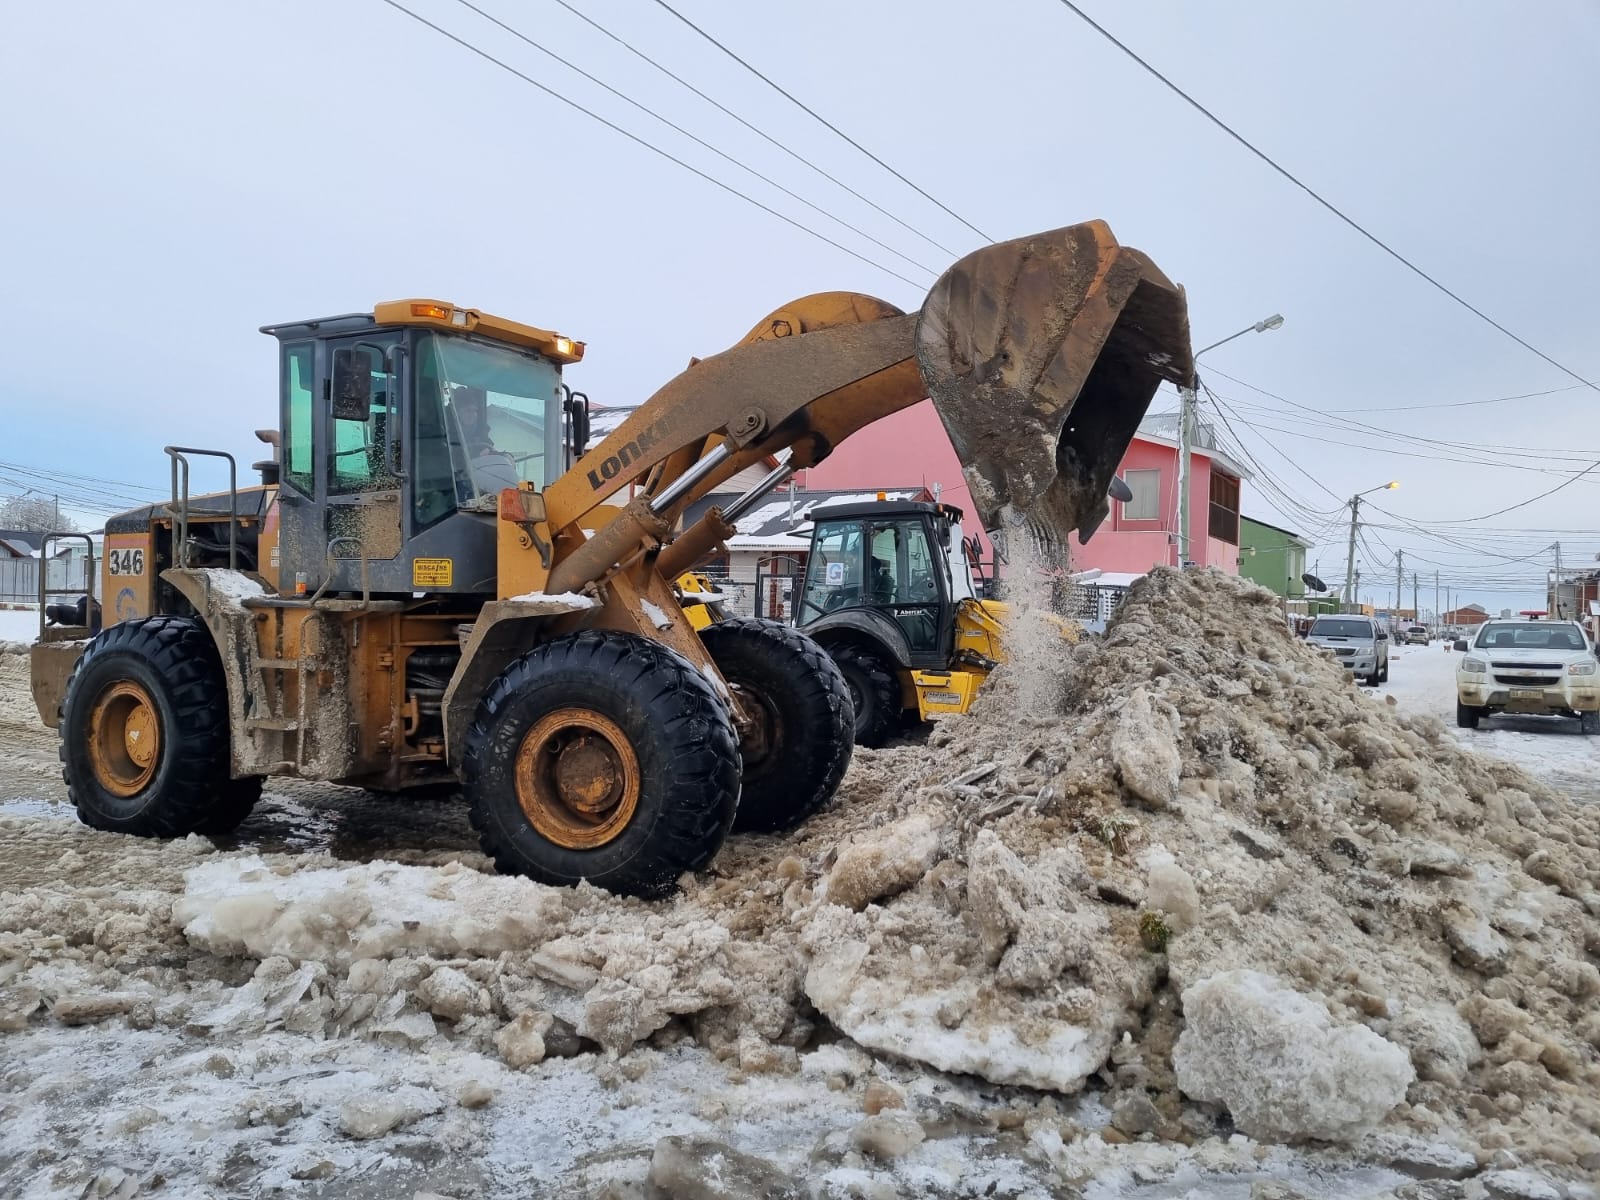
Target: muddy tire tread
x=692 y=816
x=820 y=737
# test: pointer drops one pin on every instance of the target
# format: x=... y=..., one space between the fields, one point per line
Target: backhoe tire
x=144 y=733
x=805 y=723
x=873 y=692
x=602 y=756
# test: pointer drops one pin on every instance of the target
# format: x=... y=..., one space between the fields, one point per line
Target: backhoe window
x=297 y=374
x=833 y=572
x=904 y=581
x=486 y=415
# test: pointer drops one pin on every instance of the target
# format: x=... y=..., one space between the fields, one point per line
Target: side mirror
x=578 y=409
x=1383 y=636
x=1460 y=645
x=352 y=385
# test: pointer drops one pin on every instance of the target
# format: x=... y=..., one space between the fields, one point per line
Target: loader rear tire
x=804 y=722
x=144 y=733
x=605 y=757
x=873 y=692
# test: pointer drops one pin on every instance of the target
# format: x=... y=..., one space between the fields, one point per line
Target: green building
x=1273 y=557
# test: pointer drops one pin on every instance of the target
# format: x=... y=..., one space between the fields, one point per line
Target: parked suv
x=1417 y=635
x=1547 y=668
x=1359 y=643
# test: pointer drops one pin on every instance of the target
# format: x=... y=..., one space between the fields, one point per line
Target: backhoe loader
x=888 y=593
x=440 y=584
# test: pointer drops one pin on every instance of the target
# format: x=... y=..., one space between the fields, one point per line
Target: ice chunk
x=1144 y=747
x=885 y=861
x=1278 y=1062
x=375 y=910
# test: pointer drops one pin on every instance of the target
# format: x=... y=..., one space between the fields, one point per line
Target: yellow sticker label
x=428 y=573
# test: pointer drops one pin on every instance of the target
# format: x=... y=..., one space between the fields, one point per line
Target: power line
x=1512 y=507
x=635 y=138
x=759 y=132
x=819 y=117
x=699 y=141
x=1572 y=387
x=1308 y=190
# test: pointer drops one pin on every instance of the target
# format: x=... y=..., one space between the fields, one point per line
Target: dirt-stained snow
x=1195 y=811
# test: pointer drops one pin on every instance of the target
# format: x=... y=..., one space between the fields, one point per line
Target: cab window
x=364 y=451
x=297 y=372
x=833 y=572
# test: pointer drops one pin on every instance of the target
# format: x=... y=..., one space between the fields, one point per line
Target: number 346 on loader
x=438 y=584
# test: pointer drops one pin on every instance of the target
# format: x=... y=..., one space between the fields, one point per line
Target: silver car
x=1359 y=643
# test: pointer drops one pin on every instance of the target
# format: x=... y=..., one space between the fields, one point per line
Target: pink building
x=911 y=449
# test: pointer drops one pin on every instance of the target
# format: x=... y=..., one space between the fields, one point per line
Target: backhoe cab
x=889 y=594
x=440 y=585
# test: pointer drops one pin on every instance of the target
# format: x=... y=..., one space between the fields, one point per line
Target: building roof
x=23 y=543
x=1162 y=430
x=779 y=524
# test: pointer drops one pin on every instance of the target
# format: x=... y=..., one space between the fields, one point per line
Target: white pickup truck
x=1542 y=667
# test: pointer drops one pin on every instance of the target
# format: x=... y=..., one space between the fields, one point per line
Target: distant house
x=1272 y=556
x=1471 y=614
x=19 y=543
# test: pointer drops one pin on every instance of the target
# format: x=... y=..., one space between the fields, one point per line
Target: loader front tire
x=873 y=692
x=144 y=733
x=802 y=730
x=605 y=757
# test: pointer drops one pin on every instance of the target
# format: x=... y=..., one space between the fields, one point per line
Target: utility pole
x=1416 y=609
x=1555 y=592
x=1350 y=575
x=1186 y=406
x=1399 y=579
x=1438 y=614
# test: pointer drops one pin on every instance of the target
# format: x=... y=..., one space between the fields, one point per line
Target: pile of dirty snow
x=1216 y=871
x=1191 y=869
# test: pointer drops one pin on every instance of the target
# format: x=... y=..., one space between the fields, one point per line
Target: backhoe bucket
x=1042 y=356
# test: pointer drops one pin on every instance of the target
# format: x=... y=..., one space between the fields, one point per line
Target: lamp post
x=1355 y=520
x=1186 y=407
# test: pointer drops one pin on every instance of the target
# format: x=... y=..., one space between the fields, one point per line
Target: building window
x=1146 y=502
x=1224 y=524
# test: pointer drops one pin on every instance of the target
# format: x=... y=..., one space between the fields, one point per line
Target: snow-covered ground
x=202 y=1077
x=1423 y=679
x=19 y=624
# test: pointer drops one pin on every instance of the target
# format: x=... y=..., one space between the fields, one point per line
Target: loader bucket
x=1042 y=355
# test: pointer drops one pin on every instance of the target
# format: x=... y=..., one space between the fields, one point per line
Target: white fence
x=19 y=578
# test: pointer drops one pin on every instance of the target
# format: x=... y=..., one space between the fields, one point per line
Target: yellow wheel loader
x=439 y=583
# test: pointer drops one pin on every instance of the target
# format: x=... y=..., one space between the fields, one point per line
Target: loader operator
x=487 y=469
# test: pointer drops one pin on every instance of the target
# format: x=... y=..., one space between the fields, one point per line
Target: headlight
x=1581 y=669
x=1475 y=665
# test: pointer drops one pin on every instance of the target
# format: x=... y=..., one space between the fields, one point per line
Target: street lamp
x=1186 y=407
x=1355 y=516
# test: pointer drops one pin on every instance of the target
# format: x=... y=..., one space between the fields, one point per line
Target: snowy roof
x=23 y=543
x=782 y=524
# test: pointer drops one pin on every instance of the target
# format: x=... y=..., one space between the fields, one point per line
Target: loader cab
x=399 y=429
x=888 y=563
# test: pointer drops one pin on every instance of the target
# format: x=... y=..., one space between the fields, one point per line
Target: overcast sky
x=179 y=173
